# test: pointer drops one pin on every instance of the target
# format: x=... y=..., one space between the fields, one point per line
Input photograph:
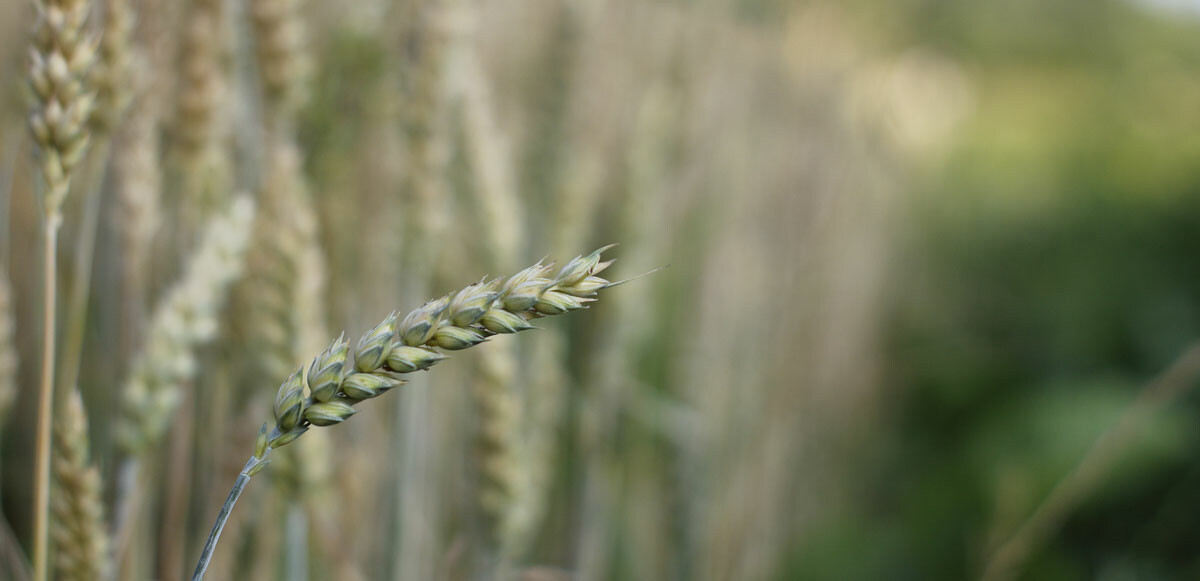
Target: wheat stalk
x=333 y=384
x=77 y=527
x=60 y=60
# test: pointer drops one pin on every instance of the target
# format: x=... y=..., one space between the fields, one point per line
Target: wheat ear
x=77 y=526
x=326 y=395
x=60 y=60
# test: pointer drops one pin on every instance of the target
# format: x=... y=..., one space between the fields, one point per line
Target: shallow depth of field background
x=922 y=255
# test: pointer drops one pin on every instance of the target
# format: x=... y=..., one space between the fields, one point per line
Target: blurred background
x=929 y=312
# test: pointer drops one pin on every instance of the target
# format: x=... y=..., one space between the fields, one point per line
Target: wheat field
x=784 y=273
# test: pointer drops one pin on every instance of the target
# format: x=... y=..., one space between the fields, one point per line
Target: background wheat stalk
x=61 y=59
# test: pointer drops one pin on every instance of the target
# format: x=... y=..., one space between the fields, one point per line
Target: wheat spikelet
x=77 y=521
x=60 y=61
x=186 y=317
x=8 y=352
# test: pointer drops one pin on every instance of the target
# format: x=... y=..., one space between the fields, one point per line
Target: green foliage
x=1049 y=273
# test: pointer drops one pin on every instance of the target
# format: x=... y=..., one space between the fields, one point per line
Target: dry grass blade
x=77 y=527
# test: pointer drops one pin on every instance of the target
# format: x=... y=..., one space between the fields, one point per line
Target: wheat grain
x=77 y=525
x=383 y=355
x=185 y=318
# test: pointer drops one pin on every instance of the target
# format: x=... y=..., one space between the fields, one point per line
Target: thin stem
x=209 y=546
x=41 y=487
x=295 y=544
